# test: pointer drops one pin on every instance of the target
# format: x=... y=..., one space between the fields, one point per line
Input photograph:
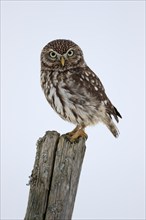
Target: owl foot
x=75 y=134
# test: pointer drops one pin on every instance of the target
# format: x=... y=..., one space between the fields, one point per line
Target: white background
x=111 y=35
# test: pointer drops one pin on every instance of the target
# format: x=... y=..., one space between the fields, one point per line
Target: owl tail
x=111 y=126
x=113 y=129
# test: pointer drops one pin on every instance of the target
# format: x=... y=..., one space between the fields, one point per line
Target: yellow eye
x=70 y=53
x=52 y=54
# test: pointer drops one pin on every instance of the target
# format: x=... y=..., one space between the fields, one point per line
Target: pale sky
x=111 y=35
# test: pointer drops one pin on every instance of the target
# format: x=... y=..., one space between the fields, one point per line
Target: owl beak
x=62 y=60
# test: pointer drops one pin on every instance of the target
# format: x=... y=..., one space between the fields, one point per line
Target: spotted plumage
x=73 y=90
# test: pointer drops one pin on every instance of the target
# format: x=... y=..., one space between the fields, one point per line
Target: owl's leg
x=77 y=132
x=73 y=131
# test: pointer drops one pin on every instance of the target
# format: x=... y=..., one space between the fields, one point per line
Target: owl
x=73 y=90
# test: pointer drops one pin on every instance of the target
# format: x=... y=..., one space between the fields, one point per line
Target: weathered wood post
x=55 y=176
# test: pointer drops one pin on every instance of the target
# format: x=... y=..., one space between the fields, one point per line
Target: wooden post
x=55 y=176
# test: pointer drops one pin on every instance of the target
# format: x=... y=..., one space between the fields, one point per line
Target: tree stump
x=55 y=176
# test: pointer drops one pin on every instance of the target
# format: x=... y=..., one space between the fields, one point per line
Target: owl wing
x=85 y=83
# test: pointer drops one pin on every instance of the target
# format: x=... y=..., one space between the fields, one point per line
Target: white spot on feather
x=105 y=102
x=87 y=74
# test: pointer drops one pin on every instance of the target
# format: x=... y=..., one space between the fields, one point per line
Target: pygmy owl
x=73 y=90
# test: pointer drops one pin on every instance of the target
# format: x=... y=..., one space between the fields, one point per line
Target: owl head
x=61 y=55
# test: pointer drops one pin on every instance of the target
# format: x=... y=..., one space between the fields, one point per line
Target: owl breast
x=69 y=98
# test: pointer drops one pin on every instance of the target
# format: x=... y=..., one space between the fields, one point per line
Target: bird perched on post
x=73 y=90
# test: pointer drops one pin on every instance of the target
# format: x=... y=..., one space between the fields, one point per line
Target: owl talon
x=79 y=133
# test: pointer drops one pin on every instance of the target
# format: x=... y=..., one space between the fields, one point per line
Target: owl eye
x=52 y=54
x=70 y=53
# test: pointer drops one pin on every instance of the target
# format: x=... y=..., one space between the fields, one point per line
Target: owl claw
x=74 y=136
